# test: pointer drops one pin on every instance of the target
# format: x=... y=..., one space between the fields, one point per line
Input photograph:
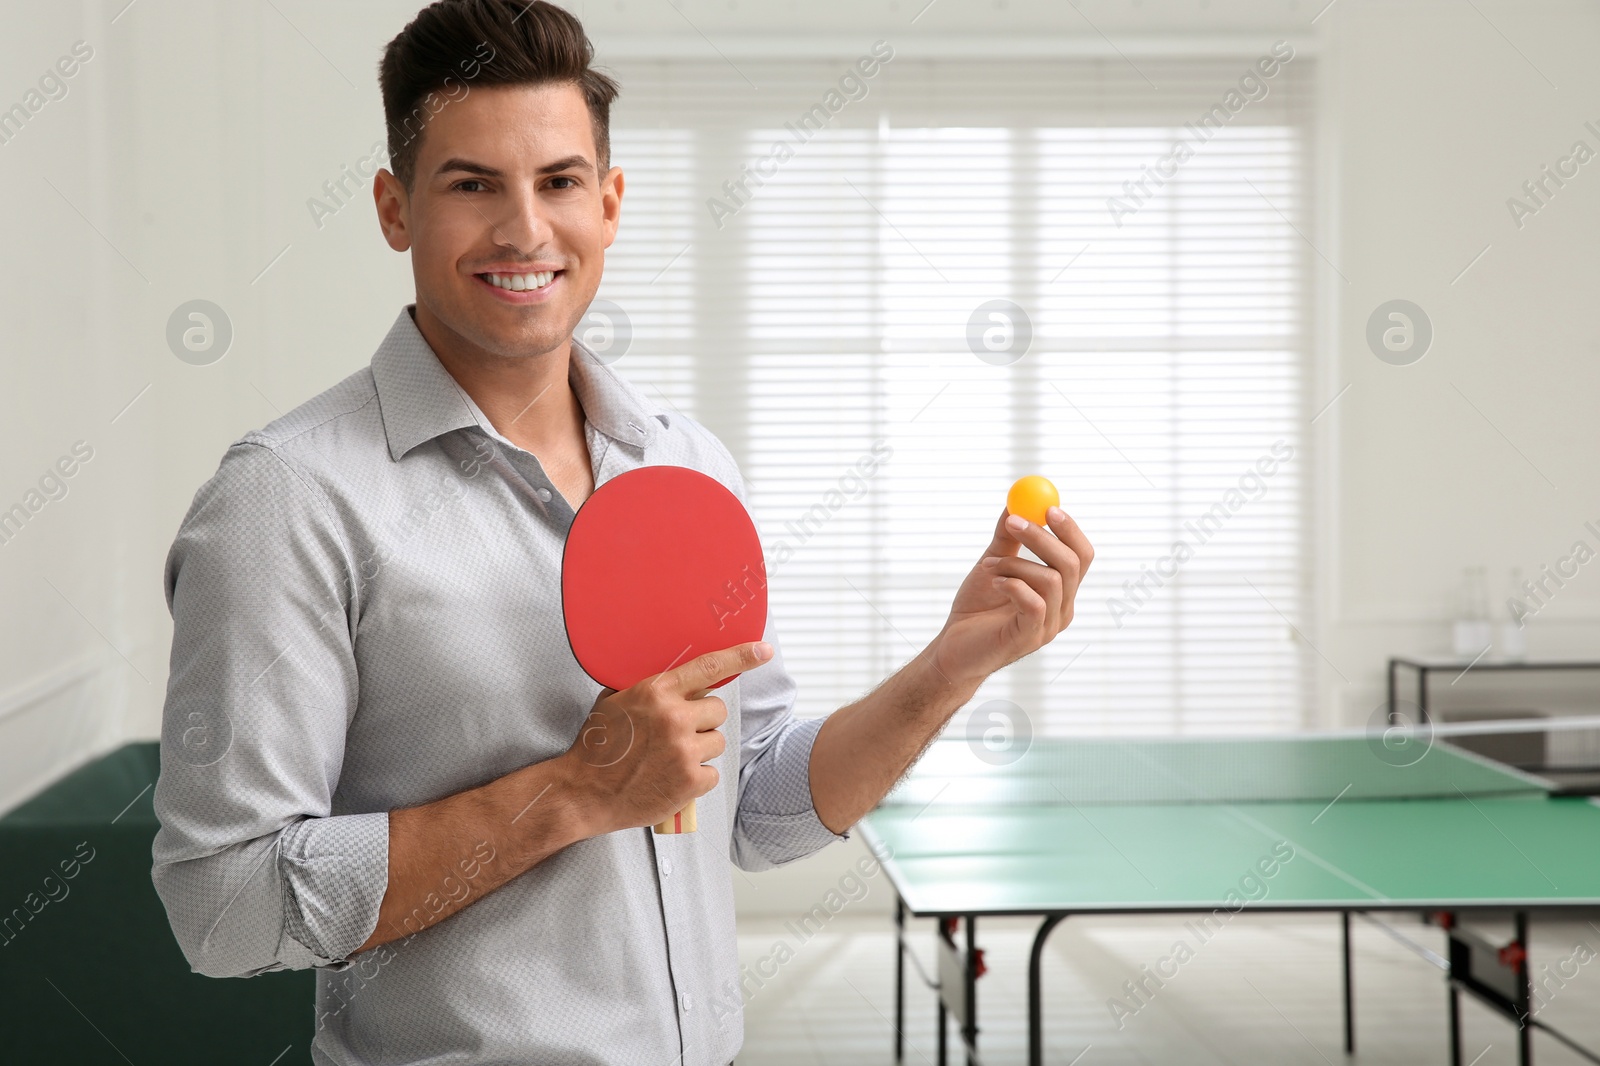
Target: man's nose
x=521 y=222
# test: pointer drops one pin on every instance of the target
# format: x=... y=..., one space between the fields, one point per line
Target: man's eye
x=460 y=185
x=572 y=183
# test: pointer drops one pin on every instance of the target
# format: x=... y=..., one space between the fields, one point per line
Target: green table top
x=1129 y=825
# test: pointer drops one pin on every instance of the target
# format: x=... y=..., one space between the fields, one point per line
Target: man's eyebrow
x=571 y=162
x=467 y=165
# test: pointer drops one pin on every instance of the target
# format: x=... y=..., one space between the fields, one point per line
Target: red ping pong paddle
x=662 y=563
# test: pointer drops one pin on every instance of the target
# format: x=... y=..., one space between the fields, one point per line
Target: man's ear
x=394 y=209
x=611 y=202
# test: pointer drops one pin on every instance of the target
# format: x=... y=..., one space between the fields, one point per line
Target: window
x=836 y=317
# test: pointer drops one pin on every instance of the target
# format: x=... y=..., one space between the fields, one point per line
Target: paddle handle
x=682 y=822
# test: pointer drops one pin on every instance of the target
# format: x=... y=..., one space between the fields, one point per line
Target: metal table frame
x=1424 y=668
x=1496 y=975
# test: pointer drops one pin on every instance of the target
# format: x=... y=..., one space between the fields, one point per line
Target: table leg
x=1349 y=991
x=1394 y=686
x=970 y=1030
x=899 y=978
x=1035 y=997
x=1524 y=994
x=943 y=933
x=1455 y=1025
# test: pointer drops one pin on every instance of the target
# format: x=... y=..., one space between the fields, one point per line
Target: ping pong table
x=1135 y=826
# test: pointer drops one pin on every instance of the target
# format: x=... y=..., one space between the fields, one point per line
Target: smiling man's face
x=508 y=220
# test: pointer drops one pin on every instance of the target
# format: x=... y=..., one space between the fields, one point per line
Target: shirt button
x=666 y=866
x=688 y=1002
x=543 y=494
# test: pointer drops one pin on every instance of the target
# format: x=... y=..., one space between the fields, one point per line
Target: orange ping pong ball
x=1031 y=496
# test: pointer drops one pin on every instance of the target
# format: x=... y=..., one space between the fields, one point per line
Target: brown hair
x=467 y=43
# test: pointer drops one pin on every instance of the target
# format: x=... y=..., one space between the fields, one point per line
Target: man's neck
x=529 y=401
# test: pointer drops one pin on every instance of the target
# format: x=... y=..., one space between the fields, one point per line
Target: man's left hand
x=994 y=623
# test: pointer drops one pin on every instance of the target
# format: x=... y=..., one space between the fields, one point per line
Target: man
x=378 y=756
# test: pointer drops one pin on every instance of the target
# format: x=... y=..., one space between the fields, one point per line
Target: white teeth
x=521 y=282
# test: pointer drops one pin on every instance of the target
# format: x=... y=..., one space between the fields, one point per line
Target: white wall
x=192 y=140
x=73 y=580
x=1482 y=452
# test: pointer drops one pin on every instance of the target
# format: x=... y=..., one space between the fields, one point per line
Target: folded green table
x=90 y=973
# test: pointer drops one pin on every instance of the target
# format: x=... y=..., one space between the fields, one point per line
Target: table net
x=1442 y=761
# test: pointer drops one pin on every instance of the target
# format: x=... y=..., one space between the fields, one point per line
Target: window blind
x=834 y=322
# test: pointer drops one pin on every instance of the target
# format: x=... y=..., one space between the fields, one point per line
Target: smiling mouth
x=520 y=282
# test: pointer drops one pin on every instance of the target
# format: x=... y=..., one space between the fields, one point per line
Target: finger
x=1029 y=603
x=709 y=745
x=1003 y=542
x=1044 y=580
x=1066 y=527
x=707 y=713
x=705 y=780
x=1052 y=550
x=695 y=677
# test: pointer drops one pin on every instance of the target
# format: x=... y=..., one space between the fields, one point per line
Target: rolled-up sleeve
x=255 y=870
x=777 y=819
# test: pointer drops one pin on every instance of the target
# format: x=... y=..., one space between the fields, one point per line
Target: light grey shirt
x=366 y=602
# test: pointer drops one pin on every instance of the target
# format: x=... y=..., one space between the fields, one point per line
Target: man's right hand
x=640 y=756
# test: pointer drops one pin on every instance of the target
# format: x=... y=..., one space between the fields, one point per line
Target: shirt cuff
x=335 y=872
x=777 y=815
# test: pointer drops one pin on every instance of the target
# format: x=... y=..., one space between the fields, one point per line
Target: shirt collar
x=420 y=400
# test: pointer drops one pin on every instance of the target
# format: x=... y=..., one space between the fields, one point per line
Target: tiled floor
x=1265 y=989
